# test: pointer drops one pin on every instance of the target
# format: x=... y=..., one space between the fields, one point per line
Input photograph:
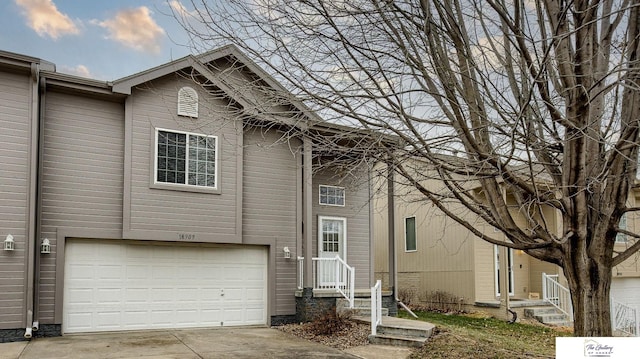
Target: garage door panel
x=626 y=290
x=146 y=286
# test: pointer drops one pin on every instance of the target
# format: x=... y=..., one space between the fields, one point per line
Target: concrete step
x=398 y=341
x=399 y=331
x=532 y=312
x=547 y=315
x=404 y=331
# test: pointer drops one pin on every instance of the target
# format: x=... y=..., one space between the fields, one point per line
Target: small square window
x=621 y=237
x=331 y=195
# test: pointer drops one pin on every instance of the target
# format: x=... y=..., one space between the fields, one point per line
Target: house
x=433 y=253
x=188 y=195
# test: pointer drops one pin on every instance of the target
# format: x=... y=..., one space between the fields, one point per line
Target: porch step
x=397 y=341
x=361 y=306
x=399 y=332
x=547 y=315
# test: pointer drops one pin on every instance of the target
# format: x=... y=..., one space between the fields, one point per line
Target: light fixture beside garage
x=9 y=243
x=45 y=247
x=287 y=253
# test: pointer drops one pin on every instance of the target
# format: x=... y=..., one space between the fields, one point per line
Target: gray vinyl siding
x=356 y=211
x=269 y=206
x=15 y=100
x=166 y=212
x=82 y=178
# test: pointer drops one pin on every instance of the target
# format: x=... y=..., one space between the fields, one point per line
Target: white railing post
x=376 y=306
x=544 y=286
x=300 y=272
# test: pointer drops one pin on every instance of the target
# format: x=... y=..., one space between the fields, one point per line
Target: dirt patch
x=353 y=334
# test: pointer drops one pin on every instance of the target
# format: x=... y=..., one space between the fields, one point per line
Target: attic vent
x=187 y=102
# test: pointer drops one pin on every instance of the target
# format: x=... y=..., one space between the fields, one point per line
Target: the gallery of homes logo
x=593 y=349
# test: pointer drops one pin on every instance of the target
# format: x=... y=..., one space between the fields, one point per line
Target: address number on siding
x=186 y=236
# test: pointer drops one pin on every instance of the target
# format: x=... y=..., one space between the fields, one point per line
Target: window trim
x=621 y=238
x=415 y=234
x=185 y=187
x=344 y=196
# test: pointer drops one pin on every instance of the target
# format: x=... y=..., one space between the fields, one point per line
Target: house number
x=186 y=236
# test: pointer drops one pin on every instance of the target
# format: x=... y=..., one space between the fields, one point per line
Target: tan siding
x=356 y=211
x=381 y=230
x=82 y=179
x=484 y=271
x=15 y=100
x=269 y=206
x=175 y=211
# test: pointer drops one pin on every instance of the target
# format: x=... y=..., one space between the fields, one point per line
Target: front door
x=332 y=242
x=498 y=266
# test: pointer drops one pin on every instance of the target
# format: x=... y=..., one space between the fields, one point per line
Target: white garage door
x=118 y=285
x=626 y=291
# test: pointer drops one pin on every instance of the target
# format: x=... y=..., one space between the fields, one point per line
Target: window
x=331 y=195
x=620 y=237
x=410 y=244
x=186 y=158
x=187 y=102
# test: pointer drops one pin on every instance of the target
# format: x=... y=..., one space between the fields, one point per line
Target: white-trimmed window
x=410 y=240
x=621 y=237
x=186 y=158
x=187 y=102
x=331 y=195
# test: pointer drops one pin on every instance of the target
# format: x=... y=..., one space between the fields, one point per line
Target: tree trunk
x=590 y=295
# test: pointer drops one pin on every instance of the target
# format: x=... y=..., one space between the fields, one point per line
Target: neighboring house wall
x=443 y=259
x=15 y=128
x=82 y=177
x=357 y=213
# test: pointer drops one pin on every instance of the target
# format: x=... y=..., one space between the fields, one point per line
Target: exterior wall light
x=287 y=253
x=45 y=247
x=9 y=243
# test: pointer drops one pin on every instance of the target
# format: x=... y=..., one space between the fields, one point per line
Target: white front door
x=496 y=252
x=332 y=242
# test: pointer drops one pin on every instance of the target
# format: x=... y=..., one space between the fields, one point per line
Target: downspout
x=32 y=195
x=36 y=291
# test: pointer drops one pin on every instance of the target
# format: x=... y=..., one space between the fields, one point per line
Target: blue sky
x=100 y=39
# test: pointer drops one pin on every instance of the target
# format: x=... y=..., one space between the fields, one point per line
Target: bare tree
x=537 y=99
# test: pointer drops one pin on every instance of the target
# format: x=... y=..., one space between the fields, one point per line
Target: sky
x=98 y=39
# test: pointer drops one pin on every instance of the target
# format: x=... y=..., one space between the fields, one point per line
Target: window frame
x=621 y=238
x=415 y=235
x=344 y=195
x=154 y=183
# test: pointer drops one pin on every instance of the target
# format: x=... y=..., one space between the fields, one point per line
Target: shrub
x=444 y=302
x=407 y=295
x=331 y=322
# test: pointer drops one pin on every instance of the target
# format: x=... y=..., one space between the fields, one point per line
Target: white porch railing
x=300 y=272
x=625 y=319
x=334 y=274
x=560 y=297
x=376 y=307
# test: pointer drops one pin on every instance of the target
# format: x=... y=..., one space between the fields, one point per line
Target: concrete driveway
x=244 y=342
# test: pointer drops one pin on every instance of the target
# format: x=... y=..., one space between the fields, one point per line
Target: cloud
x=179 y=9
x=44 y=17
x=80 y=70
x=134 y=28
